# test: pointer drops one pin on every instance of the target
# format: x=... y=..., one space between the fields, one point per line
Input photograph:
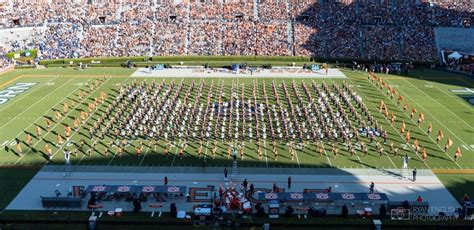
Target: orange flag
x=430 y=127
x=407 y=136
x=416 y=142
x=422 y=116
x=449 y=142
x=413 y=110
x=458 y=152
x=440 y=133
x=382 y=104
x=424 y=155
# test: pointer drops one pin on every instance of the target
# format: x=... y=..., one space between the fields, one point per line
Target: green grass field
x=428 y=91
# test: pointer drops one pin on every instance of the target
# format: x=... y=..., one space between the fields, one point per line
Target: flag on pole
x=449 y=142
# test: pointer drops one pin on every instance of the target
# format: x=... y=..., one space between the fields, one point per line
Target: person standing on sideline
x=245 y=183
x=289 y=182
x=405 y=161
x=225 y=173
x=166 y=180
x=372 y=187
x=414 y=174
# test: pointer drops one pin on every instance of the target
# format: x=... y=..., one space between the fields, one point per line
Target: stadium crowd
x=269 y=27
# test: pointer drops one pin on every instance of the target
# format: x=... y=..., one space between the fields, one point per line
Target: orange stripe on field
x=453 y=171
x=10 y=81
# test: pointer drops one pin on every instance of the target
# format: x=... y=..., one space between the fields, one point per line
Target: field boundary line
x=453 y=171
x=24 y=95
x=388 y=123
x=393 y=127
x=439 y=104
x=146 y=152
x=85 y=122
x=12 y=80
x=413 y=123
x=38 y=101
x=42 y=116
x=441 y=123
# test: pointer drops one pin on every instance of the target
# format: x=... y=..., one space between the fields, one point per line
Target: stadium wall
x=212 y=61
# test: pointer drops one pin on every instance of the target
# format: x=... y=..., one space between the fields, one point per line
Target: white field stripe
x=441 y=123
x=452 y=96
x=175 y=152
x=264 y=145
x=326 y=154
x=297 y=160
x=388 y=122
x=396 y=131
x=422 y=130
x=146 y=151
x=28 y=93
x=439 y=104
x=265 y=149
x=38 y=101
x=52 y=128
x=85 y=122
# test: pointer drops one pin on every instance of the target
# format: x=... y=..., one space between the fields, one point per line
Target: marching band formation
x=294 y=115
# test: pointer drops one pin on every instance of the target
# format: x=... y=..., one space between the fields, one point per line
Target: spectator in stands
x=371 y=30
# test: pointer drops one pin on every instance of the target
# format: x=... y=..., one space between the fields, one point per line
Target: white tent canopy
x=455 y=55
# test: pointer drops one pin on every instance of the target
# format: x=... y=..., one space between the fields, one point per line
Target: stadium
x=236 y=114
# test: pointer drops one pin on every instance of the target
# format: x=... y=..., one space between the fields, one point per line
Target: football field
x=30 y=97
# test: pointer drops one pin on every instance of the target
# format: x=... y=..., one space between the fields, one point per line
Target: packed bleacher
x=329 y=29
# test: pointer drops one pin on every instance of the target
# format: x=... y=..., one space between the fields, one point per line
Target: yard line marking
x=147 y=150
x=264 y=141
x=326 y=154
x=175 y=152
x=65 y=98
x=85 y=122
x=422 y=130
x=441 y=123
x=38 y=101
x=391 y=125
x=29 y=93
x=452 y=96
x=442 y=150
x=439 y=103
x=265 y=149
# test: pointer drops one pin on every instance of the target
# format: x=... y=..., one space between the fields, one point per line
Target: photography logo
x=400 y=214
